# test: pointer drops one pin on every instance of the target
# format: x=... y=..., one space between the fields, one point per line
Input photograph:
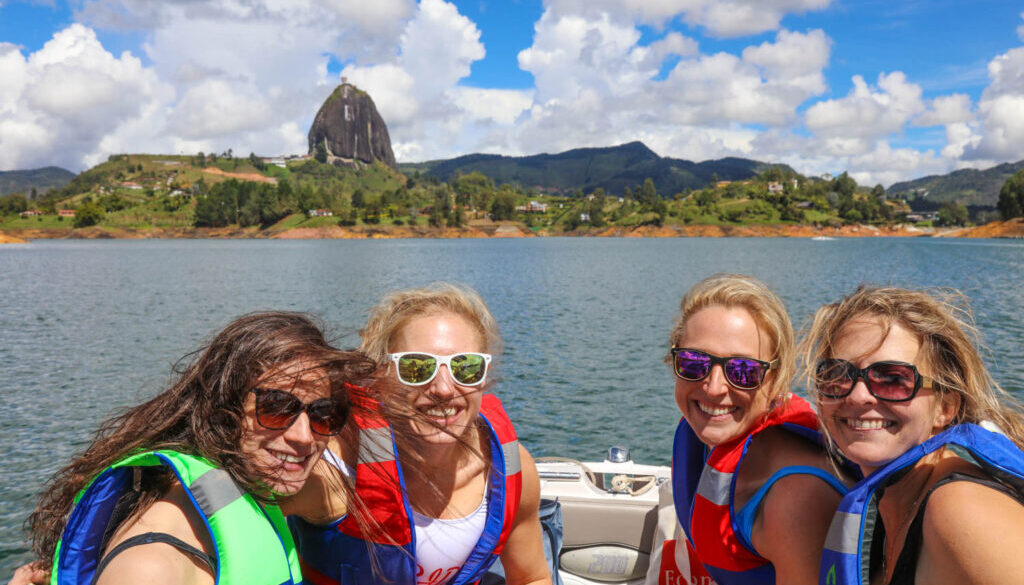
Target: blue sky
x=887 y=90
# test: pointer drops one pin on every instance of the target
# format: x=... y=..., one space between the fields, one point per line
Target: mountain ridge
x=964 y=186
x=42 y=179
x=612 y=168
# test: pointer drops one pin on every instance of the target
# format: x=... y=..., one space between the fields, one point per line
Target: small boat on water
x=609 y=516
x=822 y=239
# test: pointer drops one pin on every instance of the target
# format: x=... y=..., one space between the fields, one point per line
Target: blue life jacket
x=847 y=556
x=340 y=552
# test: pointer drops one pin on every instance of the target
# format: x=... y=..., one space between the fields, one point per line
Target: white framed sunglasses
x=416 y=368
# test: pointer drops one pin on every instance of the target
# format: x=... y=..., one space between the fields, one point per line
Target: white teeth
x=290 y=458
x=441 y=412
x=715 y=411
x=868 y=425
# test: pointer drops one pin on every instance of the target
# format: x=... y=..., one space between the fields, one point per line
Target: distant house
x=923 y=216
x=66 y=212
x=320 y=213
x=585 y=217
x=278 y=161
x=803 y=204
x=131 y=185
x=31 y=213
x=774 y=187
x=532 y=207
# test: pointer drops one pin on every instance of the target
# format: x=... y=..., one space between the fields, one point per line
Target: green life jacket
x=252 y=543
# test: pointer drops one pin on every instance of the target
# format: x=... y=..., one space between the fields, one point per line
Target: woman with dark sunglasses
x=904 y=395
x=450 y=490
x=183 y=488
x=754 y=490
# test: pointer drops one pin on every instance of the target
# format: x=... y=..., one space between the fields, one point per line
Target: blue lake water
x=87 y=327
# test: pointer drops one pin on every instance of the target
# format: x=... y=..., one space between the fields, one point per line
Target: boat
x=822 y=239
x=609 y=516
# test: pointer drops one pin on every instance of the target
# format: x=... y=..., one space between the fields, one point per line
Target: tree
x=89 y=214
x=952 y=213
x=771 y=174
x=1011 y=197
x=473 y=188
x=458 y=217
x=358 y=199
x=13 y=203
x=504 y=204
x=320 y=151
x=844 y=185
x=648 y=195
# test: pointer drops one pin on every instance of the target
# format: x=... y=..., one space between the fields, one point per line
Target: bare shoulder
x=153 y=564
x=774 y=449
x=993 y=519
x=531 y=482
x=792 y=524
x=157 y=562
x=971 y=534
x=784 y=448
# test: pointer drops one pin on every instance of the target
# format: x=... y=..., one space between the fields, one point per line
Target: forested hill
x=612 y=168
x=42 y=180
x=966 y=186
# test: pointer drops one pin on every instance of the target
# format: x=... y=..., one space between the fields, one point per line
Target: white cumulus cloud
x=64 y=98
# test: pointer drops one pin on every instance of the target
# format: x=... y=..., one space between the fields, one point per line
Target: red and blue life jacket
x=344 y=552
x=847 y=556
x=704 y=484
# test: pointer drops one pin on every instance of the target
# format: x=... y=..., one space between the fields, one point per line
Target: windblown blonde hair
x=396 y=309
x=768 y=312
x=944 y=325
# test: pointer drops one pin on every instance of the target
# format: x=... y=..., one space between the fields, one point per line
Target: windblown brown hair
x=943 y=323
x=201 y=413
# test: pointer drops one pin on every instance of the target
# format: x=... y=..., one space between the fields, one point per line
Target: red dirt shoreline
x=1013 y=228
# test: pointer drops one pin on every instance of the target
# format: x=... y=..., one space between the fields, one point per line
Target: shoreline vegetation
x=141 y=196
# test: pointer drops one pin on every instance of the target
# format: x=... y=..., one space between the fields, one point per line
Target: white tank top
x=442 y=545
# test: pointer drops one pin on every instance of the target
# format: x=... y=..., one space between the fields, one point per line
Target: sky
x=887 y=90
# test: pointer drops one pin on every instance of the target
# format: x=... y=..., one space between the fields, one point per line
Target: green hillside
x=966 y=186
x=555 y=193
x=613 y=169
x=42 y=180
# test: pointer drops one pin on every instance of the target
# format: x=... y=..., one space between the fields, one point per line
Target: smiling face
x=442 y=401
x=873 y=432
x=286 y=457
x=716 y=411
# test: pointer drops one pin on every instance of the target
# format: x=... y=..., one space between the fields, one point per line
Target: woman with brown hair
x=447 y=491
x=903 y=393
x=182 y=488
